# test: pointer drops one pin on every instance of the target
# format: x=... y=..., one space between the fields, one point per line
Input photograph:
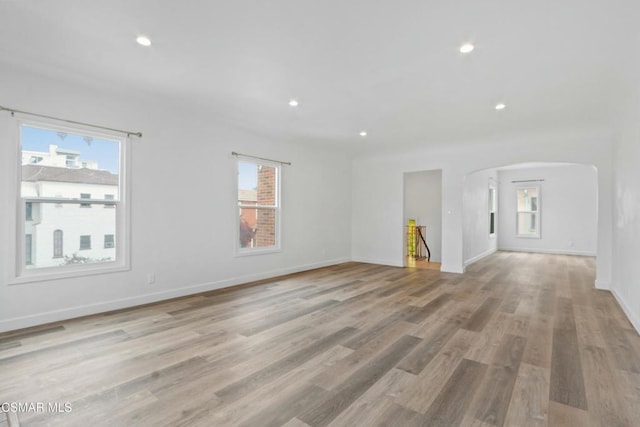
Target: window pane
x=59 y=164
x=527 y=199
x=257 y=184
x=527 y=224
x=258 y=204
x=257 y=227
x=69 y=166
x=63 y=235
x=492 y=222
x=492 y=201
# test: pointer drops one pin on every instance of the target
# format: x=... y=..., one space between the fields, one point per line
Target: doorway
x=423 y=204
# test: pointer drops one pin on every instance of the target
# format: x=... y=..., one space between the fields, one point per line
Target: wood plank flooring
x=518 y=340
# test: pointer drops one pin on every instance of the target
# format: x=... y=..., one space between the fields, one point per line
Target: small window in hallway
x=492 y=211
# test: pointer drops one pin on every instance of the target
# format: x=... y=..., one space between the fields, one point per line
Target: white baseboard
x=479 y=257
x=390 y=263
x=603 y=284
x=451 y=268
x=548 y=251
x=633 y=317
x=102 y=307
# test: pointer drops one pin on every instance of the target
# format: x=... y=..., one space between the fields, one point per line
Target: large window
x=52 y=189
x=528 y=215
x=258 y=207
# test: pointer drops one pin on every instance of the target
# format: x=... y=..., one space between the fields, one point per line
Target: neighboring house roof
x=82 y=176
x=247 y=195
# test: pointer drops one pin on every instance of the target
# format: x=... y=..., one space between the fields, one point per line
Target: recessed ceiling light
x=466 y=48
x=293 y=102
x=501 y=106
x=143 y=40
x=363 y=133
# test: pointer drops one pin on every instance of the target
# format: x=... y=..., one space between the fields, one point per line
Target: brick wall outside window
x=266 y=195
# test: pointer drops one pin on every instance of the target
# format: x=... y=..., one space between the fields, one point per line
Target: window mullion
x=68 y=200
x=258 y=207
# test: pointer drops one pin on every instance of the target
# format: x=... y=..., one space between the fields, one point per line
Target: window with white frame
x=258 y=186
x=492 y=211
x=52 y=189
x=528 y=211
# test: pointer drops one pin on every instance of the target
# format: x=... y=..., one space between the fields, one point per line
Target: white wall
x=74 y=221
x=568 y=202
x=377 y=188
x=423 y=202
x=626 y=236
x=475 y=216
x=183 y=205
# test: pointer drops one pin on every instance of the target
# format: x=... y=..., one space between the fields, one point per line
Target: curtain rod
x=233 y=153
x=528 y=180
x=128 y=133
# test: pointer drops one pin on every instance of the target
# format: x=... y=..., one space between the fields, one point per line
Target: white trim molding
x=378 y=261
x=602 y=284
x=635 y=321
x=479 y=257
x=549 y=251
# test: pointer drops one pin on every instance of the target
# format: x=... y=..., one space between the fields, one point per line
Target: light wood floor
x=422 y=263
x=518 y=340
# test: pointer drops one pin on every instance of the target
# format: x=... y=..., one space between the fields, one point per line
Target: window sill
x=520 y=236
x=53 y=273
x=257 y=251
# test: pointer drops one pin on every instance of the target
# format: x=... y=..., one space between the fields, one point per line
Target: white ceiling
x=390 y=67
